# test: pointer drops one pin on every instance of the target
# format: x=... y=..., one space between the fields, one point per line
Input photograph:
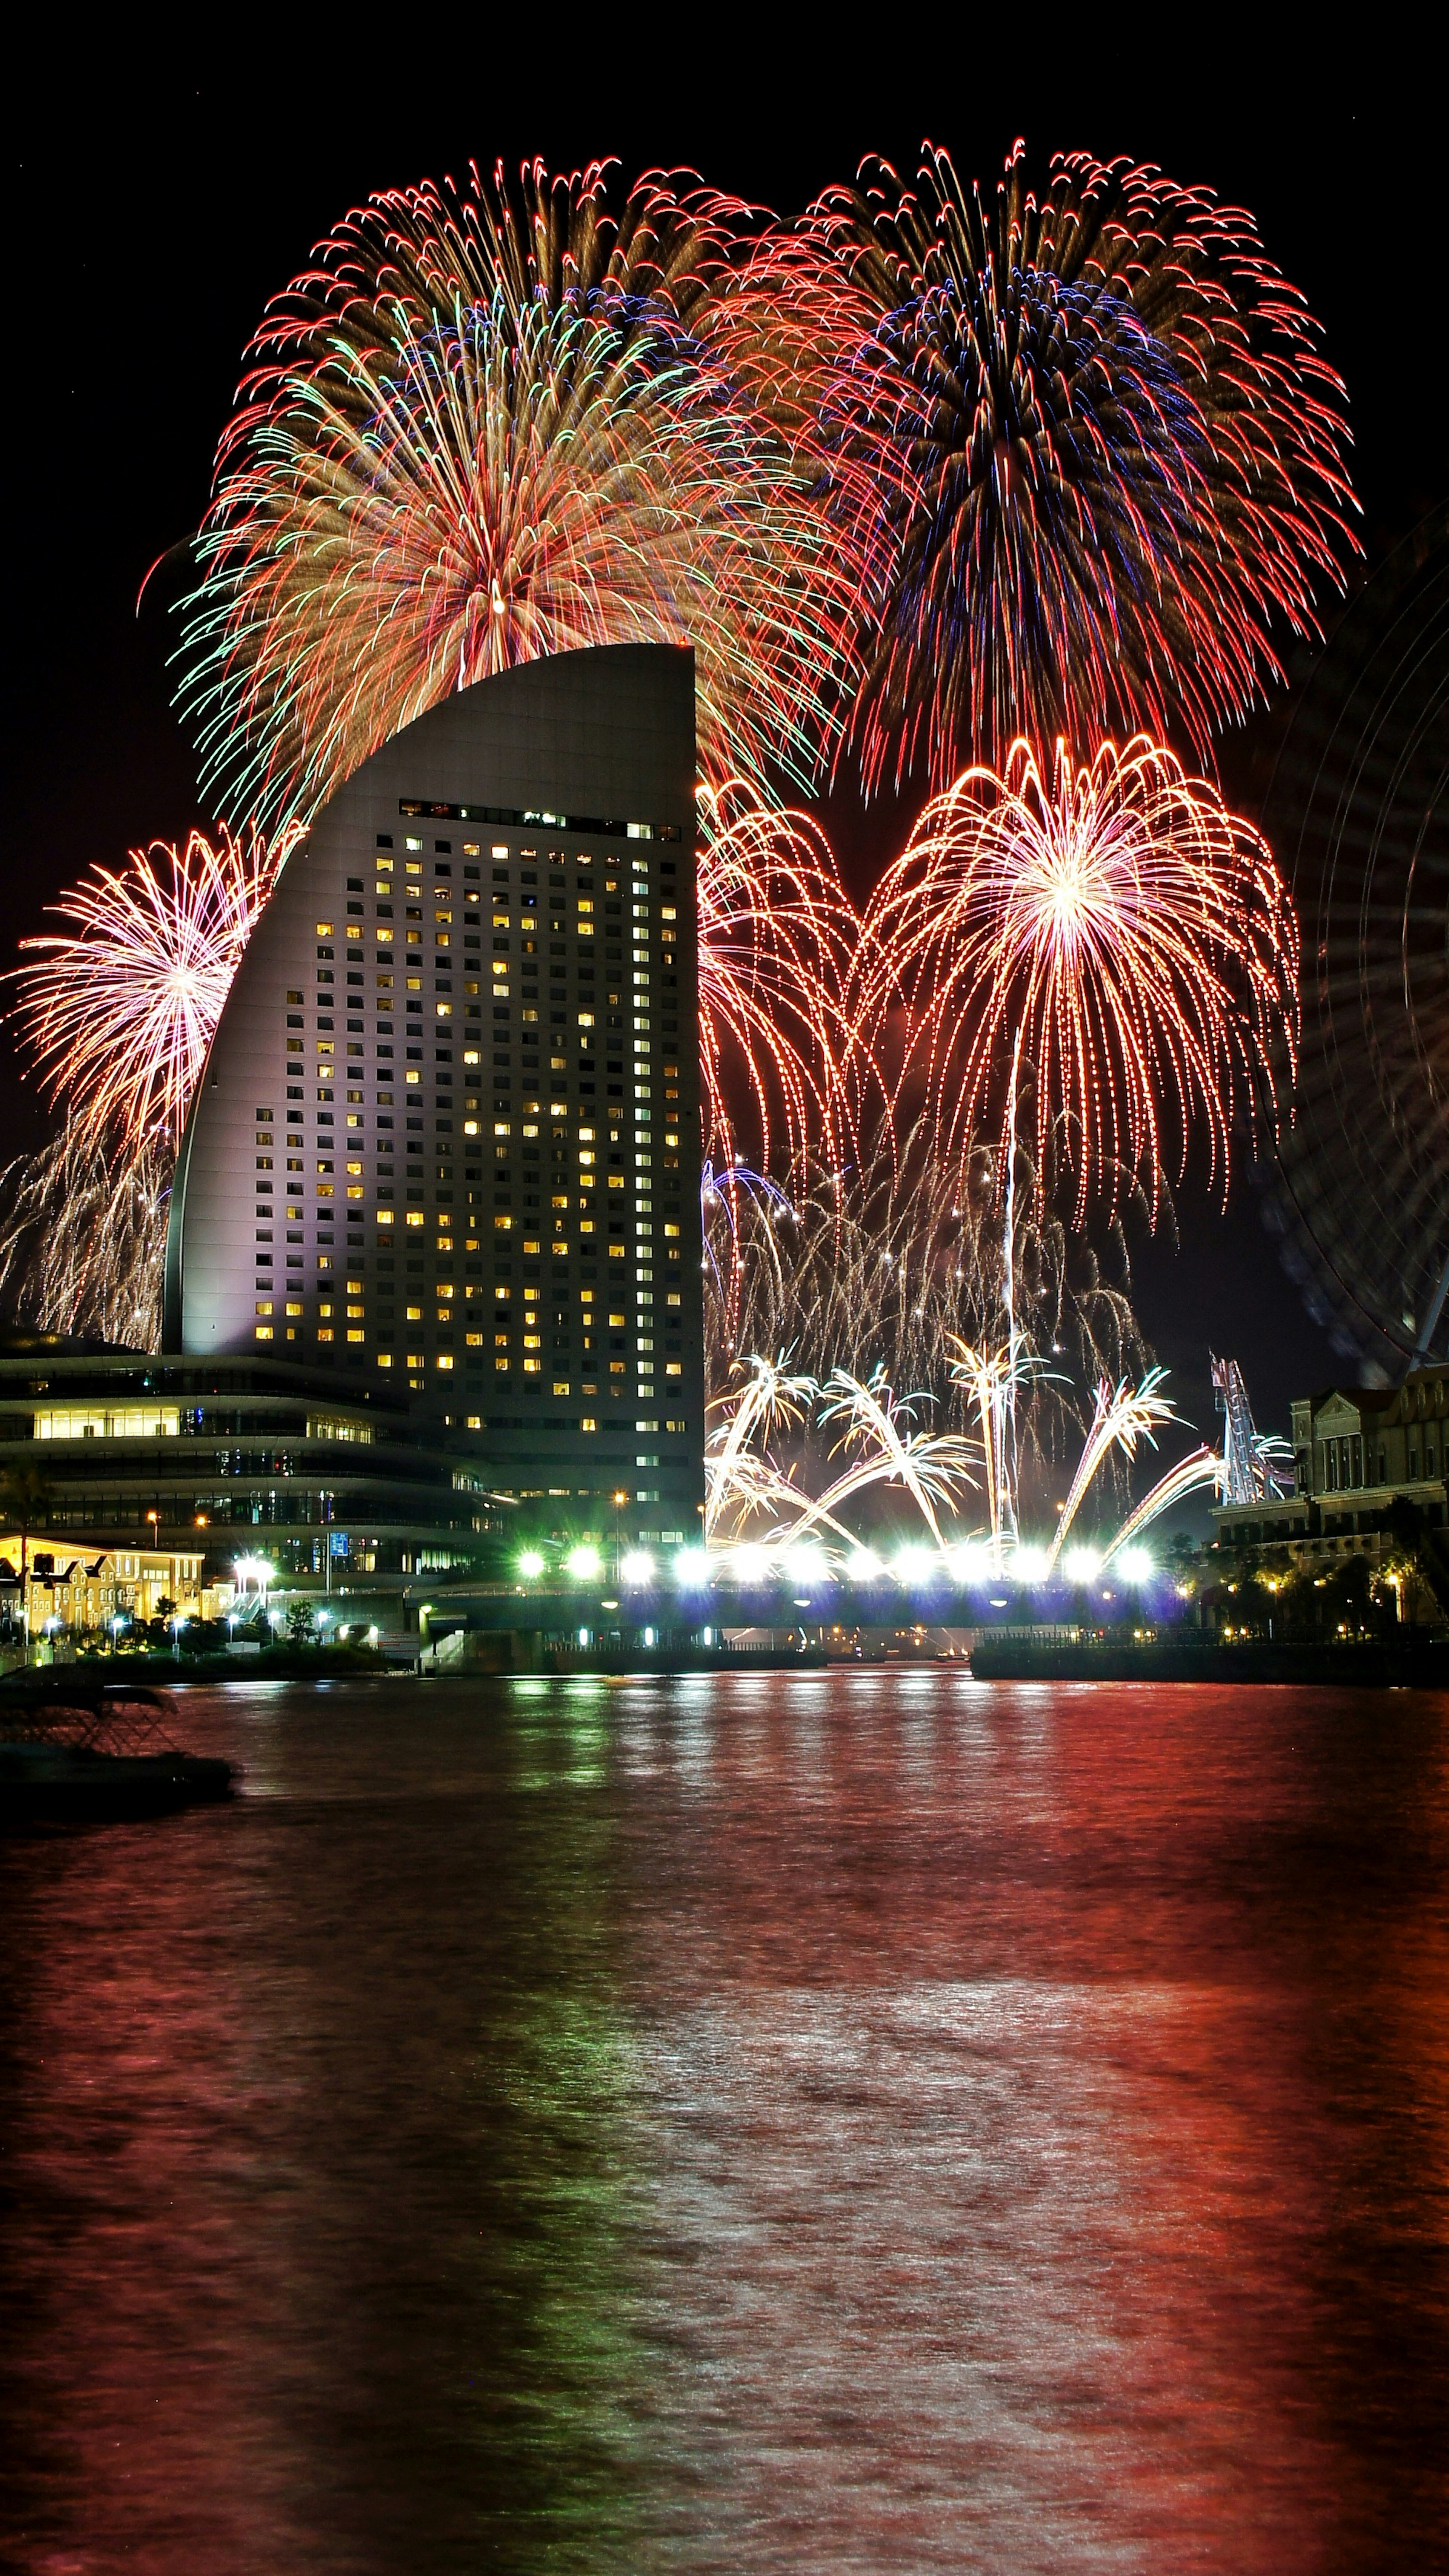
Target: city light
x=916 y=1564
x=805 y=1564
x=970 y=1564
x=1028 y=1564
x=1080 y=1564
x=530 y=1565
x=584 y=1563
x=637 y=1567
x=750 y=1564
x=692 y=1566
x=1134 y=1565
x=864 y=1566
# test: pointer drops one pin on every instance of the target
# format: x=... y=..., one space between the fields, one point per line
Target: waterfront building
x=445 y=1153
x=191 y=1459
x=1356 y=1451
x=90 y=1596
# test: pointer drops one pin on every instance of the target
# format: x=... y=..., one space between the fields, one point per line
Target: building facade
x=1355 y=1452
x=198 y=1462
x=446 y=1147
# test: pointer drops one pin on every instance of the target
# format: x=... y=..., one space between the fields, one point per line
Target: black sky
x=160 y=194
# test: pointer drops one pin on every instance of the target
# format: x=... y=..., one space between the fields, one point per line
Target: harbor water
x=852 y=2120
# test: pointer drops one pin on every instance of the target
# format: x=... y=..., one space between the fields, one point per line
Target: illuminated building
x=446 y=1147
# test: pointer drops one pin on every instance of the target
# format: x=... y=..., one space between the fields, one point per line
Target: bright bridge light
x=970 y=1564
x=751 y=1565
x=864 y=1566
x=585 y=1562
x=1029 y=1564
x=804 y=1564
x=1081 y=1563
x=916 y=1564
x=530 y=1564
x=692 y=1565
x=1134 y=1565
x=638 y=1567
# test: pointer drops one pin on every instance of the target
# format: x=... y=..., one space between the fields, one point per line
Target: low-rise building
x=1356 y=1451
x=88 y=1594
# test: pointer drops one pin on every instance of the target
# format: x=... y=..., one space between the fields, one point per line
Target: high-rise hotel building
x=447 y=1139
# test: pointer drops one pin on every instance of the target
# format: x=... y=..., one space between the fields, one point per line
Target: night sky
x=156 y=208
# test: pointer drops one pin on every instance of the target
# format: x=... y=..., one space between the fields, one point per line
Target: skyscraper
x=447 y=1138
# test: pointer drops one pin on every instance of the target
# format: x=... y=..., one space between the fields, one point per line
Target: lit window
x=357 y=1337
x=324 y=929
x=264 y=1332
x=445 y=1359
x=474 y=1341
x=324 y=1332
x=384 y=1359
x=416 y=1217
x=560 y=1386
x=264 y=1305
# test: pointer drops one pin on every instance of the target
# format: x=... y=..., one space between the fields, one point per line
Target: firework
x=119 y=1010
x=484 y=427
x=1121 y=1416
x=871 y=1424
x=83 y=1234
x=1083 y=452
x=1190 y=1476
x=1108 y=934
x=779 y=944
x=895 y=1261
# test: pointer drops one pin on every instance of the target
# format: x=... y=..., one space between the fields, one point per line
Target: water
x=827 y=2122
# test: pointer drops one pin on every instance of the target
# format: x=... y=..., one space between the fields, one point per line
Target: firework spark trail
x=897 y=1261
x=1082 y=450
x=485 y=426
x=82 y=1236
x=993 y=1380
x=873 y=1423
x=779 y=958
x=1121 y=1416
x=1200 y=1468
x=929 y=1467
x=119 y=1012
x=1113 y=927
x=769 y=1399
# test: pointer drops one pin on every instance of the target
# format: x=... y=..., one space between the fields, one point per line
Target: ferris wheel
x=1358 y=817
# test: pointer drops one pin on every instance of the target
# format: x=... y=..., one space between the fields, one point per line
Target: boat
x=75 y=1747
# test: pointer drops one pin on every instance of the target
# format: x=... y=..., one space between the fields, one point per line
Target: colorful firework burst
x=779 y=948
x=1084 y=453
x=118 y=1012
x=1105 y=942
x=485 y=427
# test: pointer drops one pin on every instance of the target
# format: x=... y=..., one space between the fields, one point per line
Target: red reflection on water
x=855 y=2122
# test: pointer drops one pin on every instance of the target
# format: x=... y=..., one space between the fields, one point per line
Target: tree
x=301 y=1624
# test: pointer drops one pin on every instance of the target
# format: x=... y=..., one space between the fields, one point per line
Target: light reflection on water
x=850 y=2121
